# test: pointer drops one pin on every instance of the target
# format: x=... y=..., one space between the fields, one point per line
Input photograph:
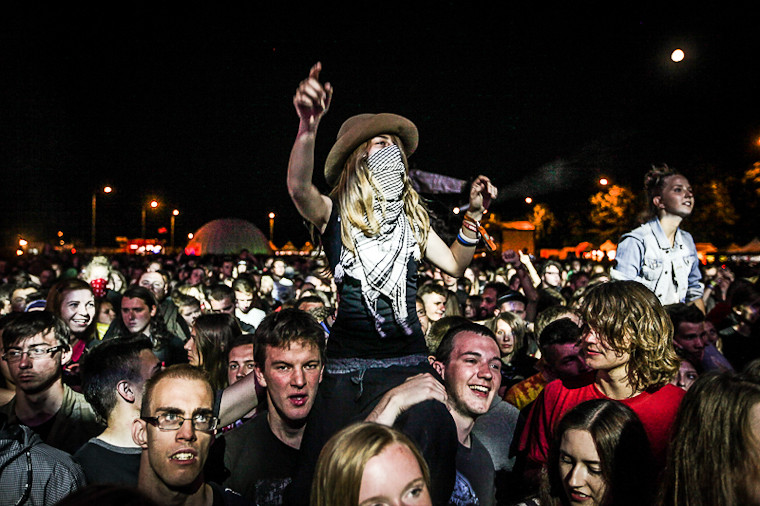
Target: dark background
x=193 y=106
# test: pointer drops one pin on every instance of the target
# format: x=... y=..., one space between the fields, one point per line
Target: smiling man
x=175 y=431
x=469 y=362
x=262 y=455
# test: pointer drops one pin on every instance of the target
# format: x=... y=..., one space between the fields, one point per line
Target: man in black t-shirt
x=113 y=376
x=175 y=431
x=469 y=361
x=262 y=454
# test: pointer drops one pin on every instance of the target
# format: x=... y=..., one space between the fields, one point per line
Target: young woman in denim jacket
x=659 y=254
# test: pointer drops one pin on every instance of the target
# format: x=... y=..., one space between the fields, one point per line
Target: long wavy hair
x=57 y=294
x=213 y=333
x=630 y=318
x=621 y=442
x=714 y=455
x=341 y=464
x=356 y=189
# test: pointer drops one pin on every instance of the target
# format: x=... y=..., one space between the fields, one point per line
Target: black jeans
x=346 y=398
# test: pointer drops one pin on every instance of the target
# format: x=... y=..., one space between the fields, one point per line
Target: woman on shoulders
x=659 y=254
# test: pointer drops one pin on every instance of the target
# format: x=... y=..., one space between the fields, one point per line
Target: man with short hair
x=689 y=333
x=36 y=348
x=175 y=431
x=221 y=299
x=561 y=358
x=469 y=361
x=158 y=282
x=491 y=293
x=113 y=376
x=433 y=298
x=245 y=297
x=262 y=455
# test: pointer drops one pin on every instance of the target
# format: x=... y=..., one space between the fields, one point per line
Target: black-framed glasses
x=33 y=353
x=202 y=422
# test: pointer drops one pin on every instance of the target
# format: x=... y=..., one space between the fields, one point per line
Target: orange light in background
x=175 y=212
x=19 y=252
x=271 y=216
x=60 y=233
x=22 y=242
x=604 y=181
x=528 y=200
x=190 y=235
x=455 y=210
x=107 y=189
x=154 y=204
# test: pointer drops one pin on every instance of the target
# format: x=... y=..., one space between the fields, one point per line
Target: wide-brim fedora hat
x=363 y=127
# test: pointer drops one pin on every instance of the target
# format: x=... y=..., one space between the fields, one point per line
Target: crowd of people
x=389 y=368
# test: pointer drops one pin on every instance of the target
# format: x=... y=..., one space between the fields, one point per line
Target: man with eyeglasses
x=175 y=431
x=36 y=348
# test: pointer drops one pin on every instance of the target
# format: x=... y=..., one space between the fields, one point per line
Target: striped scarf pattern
x=380 y=262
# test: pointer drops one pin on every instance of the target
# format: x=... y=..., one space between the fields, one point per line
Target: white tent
x=228 y=237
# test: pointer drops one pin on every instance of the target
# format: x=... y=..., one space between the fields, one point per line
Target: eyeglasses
x=33 y=353
x=173 y=421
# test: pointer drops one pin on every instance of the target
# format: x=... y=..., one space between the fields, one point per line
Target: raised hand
x=482 y=192
x=312 y=98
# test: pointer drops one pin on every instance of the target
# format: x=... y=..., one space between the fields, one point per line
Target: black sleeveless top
x=353 y=335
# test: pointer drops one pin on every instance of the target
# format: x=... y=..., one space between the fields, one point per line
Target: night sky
x=193 y=107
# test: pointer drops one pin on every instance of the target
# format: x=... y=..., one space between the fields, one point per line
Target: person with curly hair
x=627 y=341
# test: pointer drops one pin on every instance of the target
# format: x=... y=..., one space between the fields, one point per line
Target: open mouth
x=298 y=400
x=480 y=390
x=579 y=496
x=183 y=456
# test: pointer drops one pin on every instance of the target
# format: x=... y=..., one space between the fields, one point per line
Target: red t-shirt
x=655 y=408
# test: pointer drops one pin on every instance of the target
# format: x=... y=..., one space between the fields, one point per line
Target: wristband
x=468 y=225
x=490 y=244
x=466 y=241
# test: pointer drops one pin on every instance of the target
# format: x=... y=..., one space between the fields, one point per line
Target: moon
x=677 y=55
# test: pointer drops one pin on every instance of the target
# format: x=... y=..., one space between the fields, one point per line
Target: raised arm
x=454 y=259
x=312 y=99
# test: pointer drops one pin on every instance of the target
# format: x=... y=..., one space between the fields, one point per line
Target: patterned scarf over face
x=380 y=262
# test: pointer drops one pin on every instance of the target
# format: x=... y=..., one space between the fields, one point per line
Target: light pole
x=153 y=204
x=106 y=189
x=271 y=227
x=175 y=213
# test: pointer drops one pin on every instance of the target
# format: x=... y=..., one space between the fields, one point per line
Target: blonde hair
x=630 y=318
x=338 y=479
x=354 y=194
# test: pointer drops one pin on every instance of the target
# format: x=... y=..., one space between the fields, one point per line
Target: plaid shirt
x=32 y=472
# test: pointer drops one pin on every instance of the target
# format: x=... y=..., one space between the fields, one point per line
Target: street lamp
x=152 y=204
x=106 y=189
x=271 y=227
x=175 y=213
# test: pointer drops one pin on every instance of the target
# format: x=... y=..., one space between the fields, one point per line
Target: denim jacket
x=671 y=272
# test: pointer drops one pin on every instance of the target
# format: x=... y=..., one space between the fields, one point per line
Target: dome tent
x=226 y=237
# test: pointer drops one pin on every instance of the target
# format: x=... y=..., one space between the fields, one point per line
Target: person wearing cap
x=374 y=231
